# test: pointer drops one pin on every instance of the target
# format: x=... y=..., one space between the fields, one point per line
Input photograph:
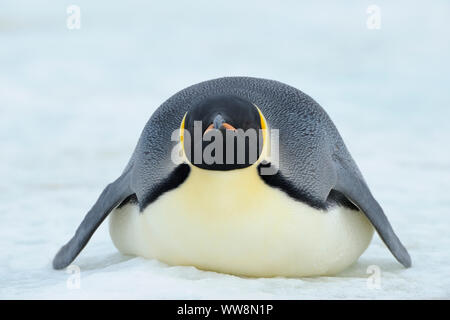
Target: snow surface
x=73 y=104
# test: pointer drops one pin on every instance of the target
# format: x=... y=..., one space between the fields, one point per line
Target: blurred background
x=74 y=101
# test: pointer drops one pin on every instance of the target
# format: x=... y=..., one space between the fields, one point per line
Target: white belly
x=232 y=222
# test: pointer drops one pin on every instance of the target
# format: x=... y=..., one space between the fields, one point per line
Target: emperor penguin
x=297 y=206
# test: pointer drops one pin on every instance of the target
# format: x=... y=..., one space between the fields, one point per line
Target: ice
x=73 y=104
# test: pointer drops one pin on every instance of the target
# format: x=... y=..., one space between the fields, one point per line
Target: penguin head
x=223 y=133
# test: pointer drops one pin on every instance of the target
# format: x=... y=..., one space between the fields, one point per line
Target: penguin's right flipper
x=353 y=186
x=113 y=195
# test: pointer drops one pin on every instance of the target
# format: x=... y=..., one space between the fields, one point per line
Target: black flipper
x=356 y=190
x=110 y=198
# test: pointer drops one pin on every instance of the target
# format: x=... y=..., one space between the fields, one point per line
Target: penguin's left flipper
x=113 y=195
x=353 y=186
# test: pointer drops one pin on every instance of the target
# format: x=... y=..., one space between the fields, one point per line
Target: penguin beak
x=219 y=123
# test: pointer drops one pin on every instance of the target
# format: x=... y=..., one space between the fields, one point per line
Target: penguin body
x=255 y=230
x=313 y=215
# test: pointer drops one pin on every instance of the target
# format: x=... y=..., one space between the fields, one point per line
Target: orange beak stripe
x=228 y=126
x=225 y=125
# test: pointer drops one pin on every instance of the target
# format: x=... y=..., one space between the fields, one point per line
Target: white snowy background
x=73 y=104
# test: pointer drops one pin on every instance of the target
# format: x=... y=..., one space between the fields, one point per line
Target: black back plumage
x=308 y=138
